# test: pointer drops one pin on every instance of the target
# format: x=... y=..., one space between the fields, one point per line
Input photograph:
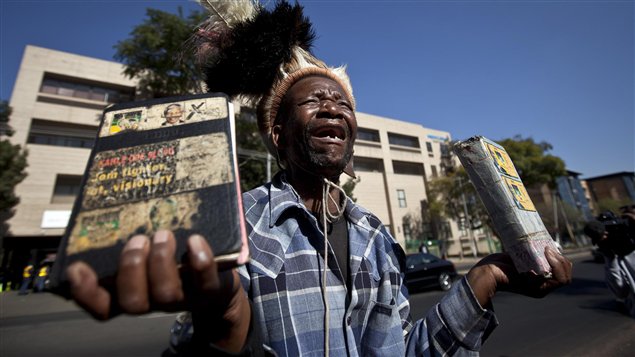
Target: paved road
x=579 y=320
x=582 y=319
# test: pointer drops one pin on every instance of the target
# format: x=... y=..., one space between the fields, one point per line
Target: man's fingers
x=561 y=266
x=203 y=264
x=163 y=273
x=132 y=283
x=87 y=292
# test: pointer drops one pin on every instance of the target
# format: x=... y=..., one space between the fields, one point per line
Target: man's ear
x=276 y=136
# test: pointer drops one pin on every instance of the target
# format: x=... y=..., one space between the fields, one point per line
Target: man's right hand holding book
x=149 y=280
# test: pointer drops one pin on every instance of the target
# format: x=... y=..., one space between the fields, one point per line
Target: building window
x=368 y=135
x=407 y=168
x=403 y=140
x=368 y=164
x=66 y=188
x=444 y=149
x=73 y=87
x=401 y=197
x=434 y=171
x=429 y=147
x=46 y=132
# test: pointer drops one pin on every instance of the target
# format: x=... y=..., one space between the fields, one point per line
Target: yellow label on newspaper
x=502 y=160
x=519 y=193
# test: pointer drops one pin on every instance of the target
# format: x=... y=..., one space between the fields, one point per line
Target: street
x=579 y=320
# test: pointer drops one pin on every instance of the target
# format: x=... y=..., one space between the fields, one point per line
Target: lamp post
x=468 y=221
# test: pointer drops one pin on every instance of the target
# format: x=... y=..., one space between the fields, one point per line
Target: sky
x=561 y=72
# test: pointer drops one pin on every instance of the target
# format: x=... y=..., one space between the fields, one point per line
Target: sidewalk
x=14 y=305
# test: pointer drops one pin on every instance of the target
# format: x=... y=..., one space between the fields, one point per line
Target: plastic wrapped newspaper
x=514 y=217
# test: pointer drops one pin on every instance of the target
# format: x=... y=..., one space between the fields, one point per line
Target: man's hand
x=148 y=280
x=496 y=272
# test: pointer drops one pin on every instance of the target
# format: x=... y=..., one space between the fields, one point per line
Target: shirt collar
x=283 y=196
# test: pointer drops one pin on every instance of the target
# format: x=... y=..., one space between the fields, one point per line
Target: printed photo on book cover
x=502 y=161
x=519 y=194
x=163 y=115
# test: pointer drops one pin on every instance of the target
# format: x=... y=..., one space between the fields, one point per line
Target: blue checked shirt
x=284 y=282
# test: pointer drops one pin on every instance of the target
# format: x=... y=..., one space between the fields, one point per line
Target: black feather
x=250 y=58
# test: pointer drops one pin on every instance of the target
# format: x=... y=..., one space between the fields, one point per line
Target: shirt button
x=348 y=321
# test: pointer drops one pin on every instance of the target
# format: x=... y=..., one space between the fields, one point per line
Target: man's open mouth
x=335 y=132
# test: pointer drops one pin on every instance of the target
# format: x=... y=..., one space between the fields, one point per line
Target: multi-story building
x=572 y=193
x=618 y=187
x=395 y=160
x=57 y=102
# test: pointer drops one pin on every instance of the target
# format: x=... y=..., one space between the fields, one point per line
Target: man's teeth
x=334 y=137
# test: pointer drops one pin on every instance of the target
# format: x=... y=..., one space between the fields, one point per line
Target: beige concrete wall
x=380 y=195
x=47 y=161
x=370 y=194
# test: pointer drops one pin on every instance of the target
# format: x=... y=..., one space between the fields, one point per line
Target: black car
x=424 y=270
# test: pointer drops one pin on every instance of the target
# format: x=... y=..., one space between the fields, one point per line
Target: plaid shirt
x=284 y=282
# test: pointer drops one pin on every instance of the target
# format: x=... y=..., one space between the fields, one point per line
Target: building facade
x=617 y=187
x=57 y=103
x=395 y=160
x=573 y=194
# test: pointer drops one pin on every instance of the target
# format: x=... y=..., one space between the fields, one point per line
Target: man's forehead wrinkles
x=328 y=91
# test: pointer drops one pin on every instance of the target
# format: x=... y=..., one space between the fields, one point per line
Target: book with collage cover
x=514 y=217
x=167 y=163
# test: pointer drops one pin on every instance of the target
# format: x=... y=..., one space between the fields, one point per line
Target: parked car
x=424 y=270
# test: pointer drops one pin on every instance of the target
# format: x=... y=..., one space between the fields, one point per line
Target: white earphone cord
x=328 y=217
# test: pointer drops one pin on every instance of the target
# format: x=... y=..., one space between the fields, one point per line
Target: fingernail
x=160 y=236
x=136 y=242
x=195 y=244
x=552 y=251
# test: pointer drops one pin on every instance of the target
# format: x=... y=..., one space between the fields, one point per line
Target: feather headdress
x=249 y=51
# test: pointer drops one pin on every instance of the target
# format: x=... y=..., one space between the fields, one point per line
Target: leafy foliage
x=452 y=195
x=610 y=204
x=12 y=165
x=349 y=186
x=533 y=162
x=252 y=158
x=155 y=55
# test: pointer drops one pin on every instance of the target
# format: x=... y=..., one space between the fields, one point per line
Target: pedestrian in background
x=27 y=277
x=40 y=280
x=615 y=239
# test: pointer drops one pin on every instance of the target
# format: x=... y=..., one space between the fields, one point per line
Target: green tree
x=610 y=204
x=252 y=153
x=12 y=165
x=414 y=231
x=533 y=162
x=450 y=196
x=349 y=186
x=154 y=54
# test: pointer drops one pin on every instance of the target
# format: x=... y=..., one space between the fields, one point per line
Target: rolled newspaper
x=514 y=217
